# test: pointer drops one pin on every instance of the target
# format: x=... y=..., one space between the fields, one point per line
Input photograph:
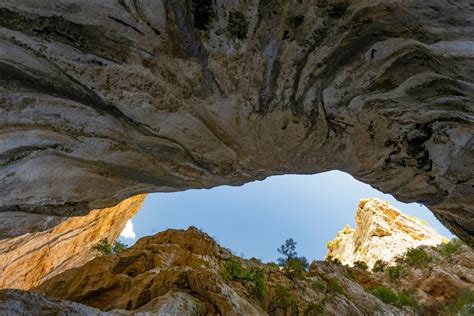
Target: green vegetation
x=119 y=247
x=336 y=287
x=283 y=297
x=395 y=272
x=361 y=265
x=293 y=266
x=314 y=309
x=379 y=266
x=328 y=244
x=405 y=299
x=106 y=248
x=417 y=257
x=463 y=305
x=233 y=271
x=385 y=294
x=389 y=296
x=318 y=285
x=451 y=247
x=259 y=289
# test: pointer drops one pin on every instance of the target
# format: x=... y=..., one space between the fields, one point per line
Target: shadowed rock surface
x=102 y=100
x=38 y=254
x=382 y=232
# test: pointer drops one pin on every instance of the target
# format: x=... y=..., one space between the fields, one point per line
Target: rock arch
x=101 y=100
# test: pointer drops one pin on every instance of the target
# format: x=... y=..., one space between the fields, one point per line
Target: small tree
x=106 y=248
x=293 y=266
x=119 y=247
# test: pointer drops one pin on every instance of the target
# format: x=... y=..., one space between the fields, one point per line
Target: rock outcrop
x=184 y=273
x=57 y=244
x=382 y=232
x=436 y=277
x=19 y=303
x=101 y=100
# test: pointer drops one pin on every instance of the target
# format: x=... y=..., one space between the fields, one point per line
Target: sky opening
x=253 y=220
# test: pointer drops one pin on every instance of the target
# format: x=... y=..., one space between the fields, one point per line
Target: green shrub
x=451 y=247
x=385 y=294
x=361 y=265
x=463 y=305
x=106 y=248
x=379 y=266
x=394 y=272
x=273 y=265
x=405 y=299
x=283 y=297
x=233 y=271
x=335 y=286
x=417 y=257
x=119 y=247
x=259 y=289
x=389 y=296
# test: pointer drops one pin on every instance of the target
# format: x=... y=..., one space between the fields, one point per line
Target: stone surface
x=19 y=303
x=42 y=251
x=382 y=232
x=101 y=100
x=434 y=285
x=182 y=271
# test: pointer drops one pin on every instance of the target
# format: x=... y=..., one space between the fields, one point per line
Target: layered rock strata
x=101 y=100
x=42 y=251
x=184 y=273
x=382 y=232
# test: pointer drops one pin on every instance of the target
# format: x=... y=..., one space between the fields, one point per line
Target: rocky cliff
x=47 y=245
x=382 y=232
x=186 y=272
x=101 y=100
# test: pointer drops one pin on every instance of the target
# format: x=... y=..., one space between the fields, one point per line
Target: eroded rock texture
x=382 y=232
x=183 y=272
x=101 y=100
x=59 y=244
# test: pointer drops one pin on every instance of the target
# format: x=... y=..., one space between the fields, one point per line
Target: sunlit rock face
x=182 y=272
x=381 y=232
x=39 y=252
x=101 y=100
x=435 y=281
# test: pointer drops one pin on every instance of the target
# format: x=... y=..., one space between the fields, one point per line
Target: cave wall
x=102 y=100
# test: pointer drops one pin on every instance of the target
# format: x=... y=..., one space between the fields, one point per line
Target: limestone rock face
x=101 y=100
x=381 y=232
x=181 y=272
x=48 y=245
x=433 y=283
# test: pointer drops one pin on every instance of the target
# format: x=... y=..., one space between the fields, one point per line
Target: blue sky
x=256 y=218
